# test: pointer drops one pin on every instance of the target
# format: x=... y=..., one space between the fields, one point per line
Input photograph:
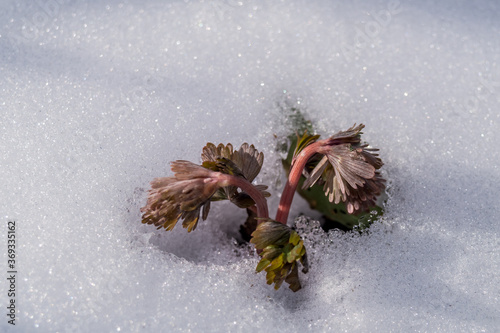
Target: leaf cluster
x=193 y=187
x=245 y=162
x=282 y=249
x=338 y=176
x=331 y=183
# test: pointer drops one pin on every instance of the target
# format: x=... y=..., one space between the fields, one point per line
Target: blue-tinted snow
x=97 y=98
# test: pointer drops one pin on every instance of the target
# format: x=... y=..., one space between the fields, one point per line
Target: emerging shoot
x=346 y=168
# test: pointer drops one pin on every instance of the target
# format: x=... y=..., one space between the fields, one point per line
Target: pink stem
x=298 y=164
x=250 y=189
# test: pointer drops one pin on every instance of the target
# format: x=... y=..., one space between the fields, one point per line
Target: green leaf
x=296 y=252
x=277 y=262
x=304 y=141
x=294 y=238
x=280 y=256
x=263 y=263
x=271 y=252
x=270 y=233
x=293 y=279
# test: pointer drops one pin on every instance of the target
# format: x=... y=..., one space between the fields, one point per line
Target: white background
x=96 y=98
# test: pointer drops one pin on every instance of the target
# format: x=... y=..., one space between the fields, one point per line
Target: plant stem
x=250 y=189
x=298 y=164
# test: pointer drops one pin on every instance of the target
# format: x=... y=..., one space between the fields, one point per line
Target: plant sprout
x=347 y=169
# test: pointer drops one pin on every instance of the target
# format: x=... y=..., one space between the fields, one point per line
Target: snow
x=96 y=99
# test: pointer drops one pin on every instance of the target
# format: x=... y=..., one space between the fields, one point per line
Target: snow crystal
x=97 y=98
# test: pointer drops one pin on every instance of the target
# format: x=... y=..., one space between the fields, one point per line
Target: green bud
x=281 y=249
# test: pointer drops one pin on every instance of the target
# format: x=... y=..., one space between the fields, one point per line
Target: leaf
x=277 y=262
x=296 y=252
x=318 y=168
x=246 y=162
x=271 y=252
x=270 y=276
x=282 y=251
x=249 y=160
x=263 y=263
x=180 y=197
x=270 y=233
x=304 y=141
x=293 y=279
x=294 y=238
x=206 y=210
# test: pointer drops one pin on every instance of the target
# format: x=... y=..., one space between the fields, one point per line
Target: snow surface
x=96 y=99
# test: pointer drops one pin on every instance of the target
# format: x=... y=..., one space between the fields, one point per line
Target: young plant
x=347 y=169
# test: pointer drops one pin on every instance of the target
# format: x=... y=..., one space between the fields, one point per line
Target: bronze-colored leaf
x=245 y=162
x=348 y=171
x=293 y=279
x=270 y=233
x=180 y=197
x=249 y=160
